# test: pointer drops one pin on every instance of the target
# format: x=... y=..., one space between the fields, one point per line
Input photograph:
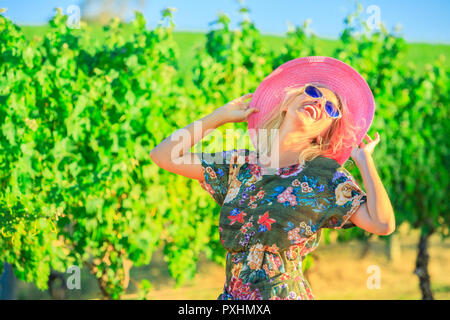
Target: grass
x=418 y=53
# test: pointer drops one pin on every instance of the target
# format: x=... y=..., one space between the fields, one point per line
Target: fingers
x=245 y=96
x=369 y=139
x=245 y=105
x=239 y=101
x=250 y=111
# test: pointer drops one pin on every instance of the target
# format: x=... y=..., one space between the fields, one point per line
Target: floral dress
x=269 y=223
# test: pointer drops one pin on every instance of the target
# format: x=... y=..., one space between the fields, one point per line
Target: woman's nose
x=318 y=103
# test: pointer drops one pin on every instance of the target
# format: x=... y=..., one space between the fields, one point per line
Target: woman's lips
x=312 y=111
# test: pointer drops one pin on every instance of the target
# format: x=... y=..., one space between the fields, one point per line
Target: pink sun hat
x=335 y=74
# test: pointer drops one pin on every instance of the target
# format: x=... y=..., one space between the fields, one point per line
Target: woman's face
x=308 y=114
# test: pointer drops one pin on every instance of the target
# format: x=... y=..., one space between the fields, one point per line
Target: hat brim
x=335 y=74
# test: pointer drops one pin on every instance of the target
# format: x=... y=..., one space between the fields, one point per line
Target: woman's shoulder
x=321 y=167
x=325 y=162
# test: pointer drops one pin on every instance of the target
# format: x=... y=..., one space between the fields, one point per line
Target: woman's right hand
x=236 y=110
x=174 y=156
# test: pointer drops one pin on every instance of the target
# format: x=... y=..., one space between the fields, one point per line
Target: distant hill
x=418 y=53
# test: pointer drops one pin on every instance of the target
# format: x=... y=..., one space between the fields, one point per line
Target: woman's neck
x=287 y=146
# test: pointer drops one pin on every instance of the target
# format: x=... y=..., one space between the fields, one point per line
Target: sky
x=422 y=21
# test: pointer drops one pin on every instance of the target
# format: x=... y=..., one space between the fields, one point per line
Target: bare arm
x=376 y=215
x=173 y=155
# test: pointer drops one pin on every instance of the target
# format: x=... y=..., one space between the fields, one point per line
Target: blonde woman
x=307 y=117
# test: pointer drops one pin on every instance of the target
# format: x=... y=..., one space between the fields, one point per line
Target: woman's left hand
x=365 y=150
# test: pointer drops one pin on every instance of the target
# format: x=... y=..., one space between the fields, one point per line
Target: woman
x=314 y=112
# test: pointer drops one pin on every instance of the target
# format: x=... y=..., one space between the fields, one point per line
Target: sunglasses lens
x=313 y=92
x=331 y=109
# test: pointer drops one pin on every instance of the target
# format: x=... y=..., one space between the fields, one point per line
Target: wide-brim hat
x=335 y=74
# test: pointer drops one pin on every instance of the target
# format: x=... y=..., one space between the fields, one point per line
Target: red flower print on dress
x=246 y=226
x=272 y=249
x=275 y=261
x=295 y=183
x=270 y=272
x=265 y=222
x=291 y=253
x=309 y=293
x=239 y=218
x=289 y=171
x=206 y=186
x=285 y=276
x=305 y=250
x=306 y=188
x=294 y=235
x=260 y=194
x=242 y=291
x=211 y=173
x=288 y=196
x=333 y=221
x=222 y=241
x=255 y=171
x=251 y=204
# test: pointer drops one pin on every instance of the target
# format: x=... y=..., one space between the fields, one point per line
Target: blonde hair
x=340 y=134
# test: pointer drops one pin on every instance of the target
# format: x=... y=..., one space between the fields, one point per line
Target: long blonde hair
x=341 y=132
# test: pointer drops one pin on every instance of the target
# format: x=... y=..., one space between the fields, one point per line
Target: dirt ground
x=338 y=273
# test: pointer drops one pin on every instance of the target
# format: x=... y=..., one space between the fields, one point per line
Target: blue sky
x=422 y=21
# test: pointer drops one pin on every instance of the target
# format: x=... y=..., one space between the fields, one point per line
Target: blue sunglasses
x=332 y=110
